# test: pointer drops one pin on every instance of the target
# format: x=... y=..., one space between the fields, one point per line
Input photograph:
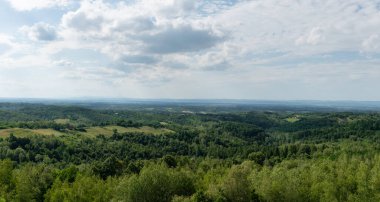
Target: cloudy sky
x=255 y=49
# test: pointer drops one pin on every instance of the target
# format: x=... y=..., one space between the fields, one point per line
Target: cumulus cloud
x=135 y=24
x=27 y=5
x=83 y=21
x=9 y=46
x=139 y=59
x=137 y=33
x=248 y=42
x=179 y=8
x=40 y=32
x=335 y=28
x=180 y=39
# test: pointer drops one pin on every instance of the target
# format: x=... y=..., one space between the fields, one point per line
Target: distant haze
x=203 y=104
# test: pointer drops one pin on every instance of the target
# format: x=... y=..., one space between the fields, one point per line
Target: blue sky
x=257 y=49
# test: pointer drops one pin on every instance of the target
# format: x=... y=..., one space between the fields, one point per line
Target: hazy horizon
x=126 y=100
x=168 y=98
x=190 y=49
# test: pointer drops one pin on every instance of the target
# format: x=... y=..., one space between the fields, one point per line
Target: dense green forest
x=187 y=153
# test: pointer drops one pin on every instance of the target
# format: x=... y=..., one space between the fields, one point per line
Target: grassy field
x=91 y=131
x=108 y=130
x=69 y=121
x=292 y=119
x=62 y=121
x=21 y=132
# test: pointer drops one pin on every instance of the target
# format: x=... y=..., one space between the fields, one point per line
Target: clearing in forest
x=108 y=130
x=23 y=132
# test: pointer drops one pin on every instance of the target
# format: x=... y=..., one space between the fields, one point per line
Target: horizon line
x=90 y=98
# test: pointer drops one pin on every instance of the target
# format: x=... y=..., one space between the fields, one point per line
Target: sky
x=190 y=49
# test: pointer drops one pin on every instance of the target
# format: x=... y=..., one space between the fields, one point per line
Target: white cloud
x=40 y=32
x=316 y=27
x=236 y=46
x=93 y=73
x=180 y=39
x=144 y=29
x=9 y=46
x=27 y=5
x=5 y=44
x=63 y=63
x=372 y=43
x=312 y=38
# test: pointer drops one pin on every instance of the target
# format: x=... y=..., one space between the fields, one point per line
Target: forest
x=188 y=153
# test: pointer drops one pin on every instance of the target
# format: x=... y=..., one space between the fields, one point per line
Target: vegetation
x=198 y=153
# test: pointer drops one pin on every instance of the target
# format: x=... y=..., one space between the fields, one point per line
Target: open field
x=21 y=132
x=62 y=121
x=91 y=131
x=292 y=119
x=108 y=130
